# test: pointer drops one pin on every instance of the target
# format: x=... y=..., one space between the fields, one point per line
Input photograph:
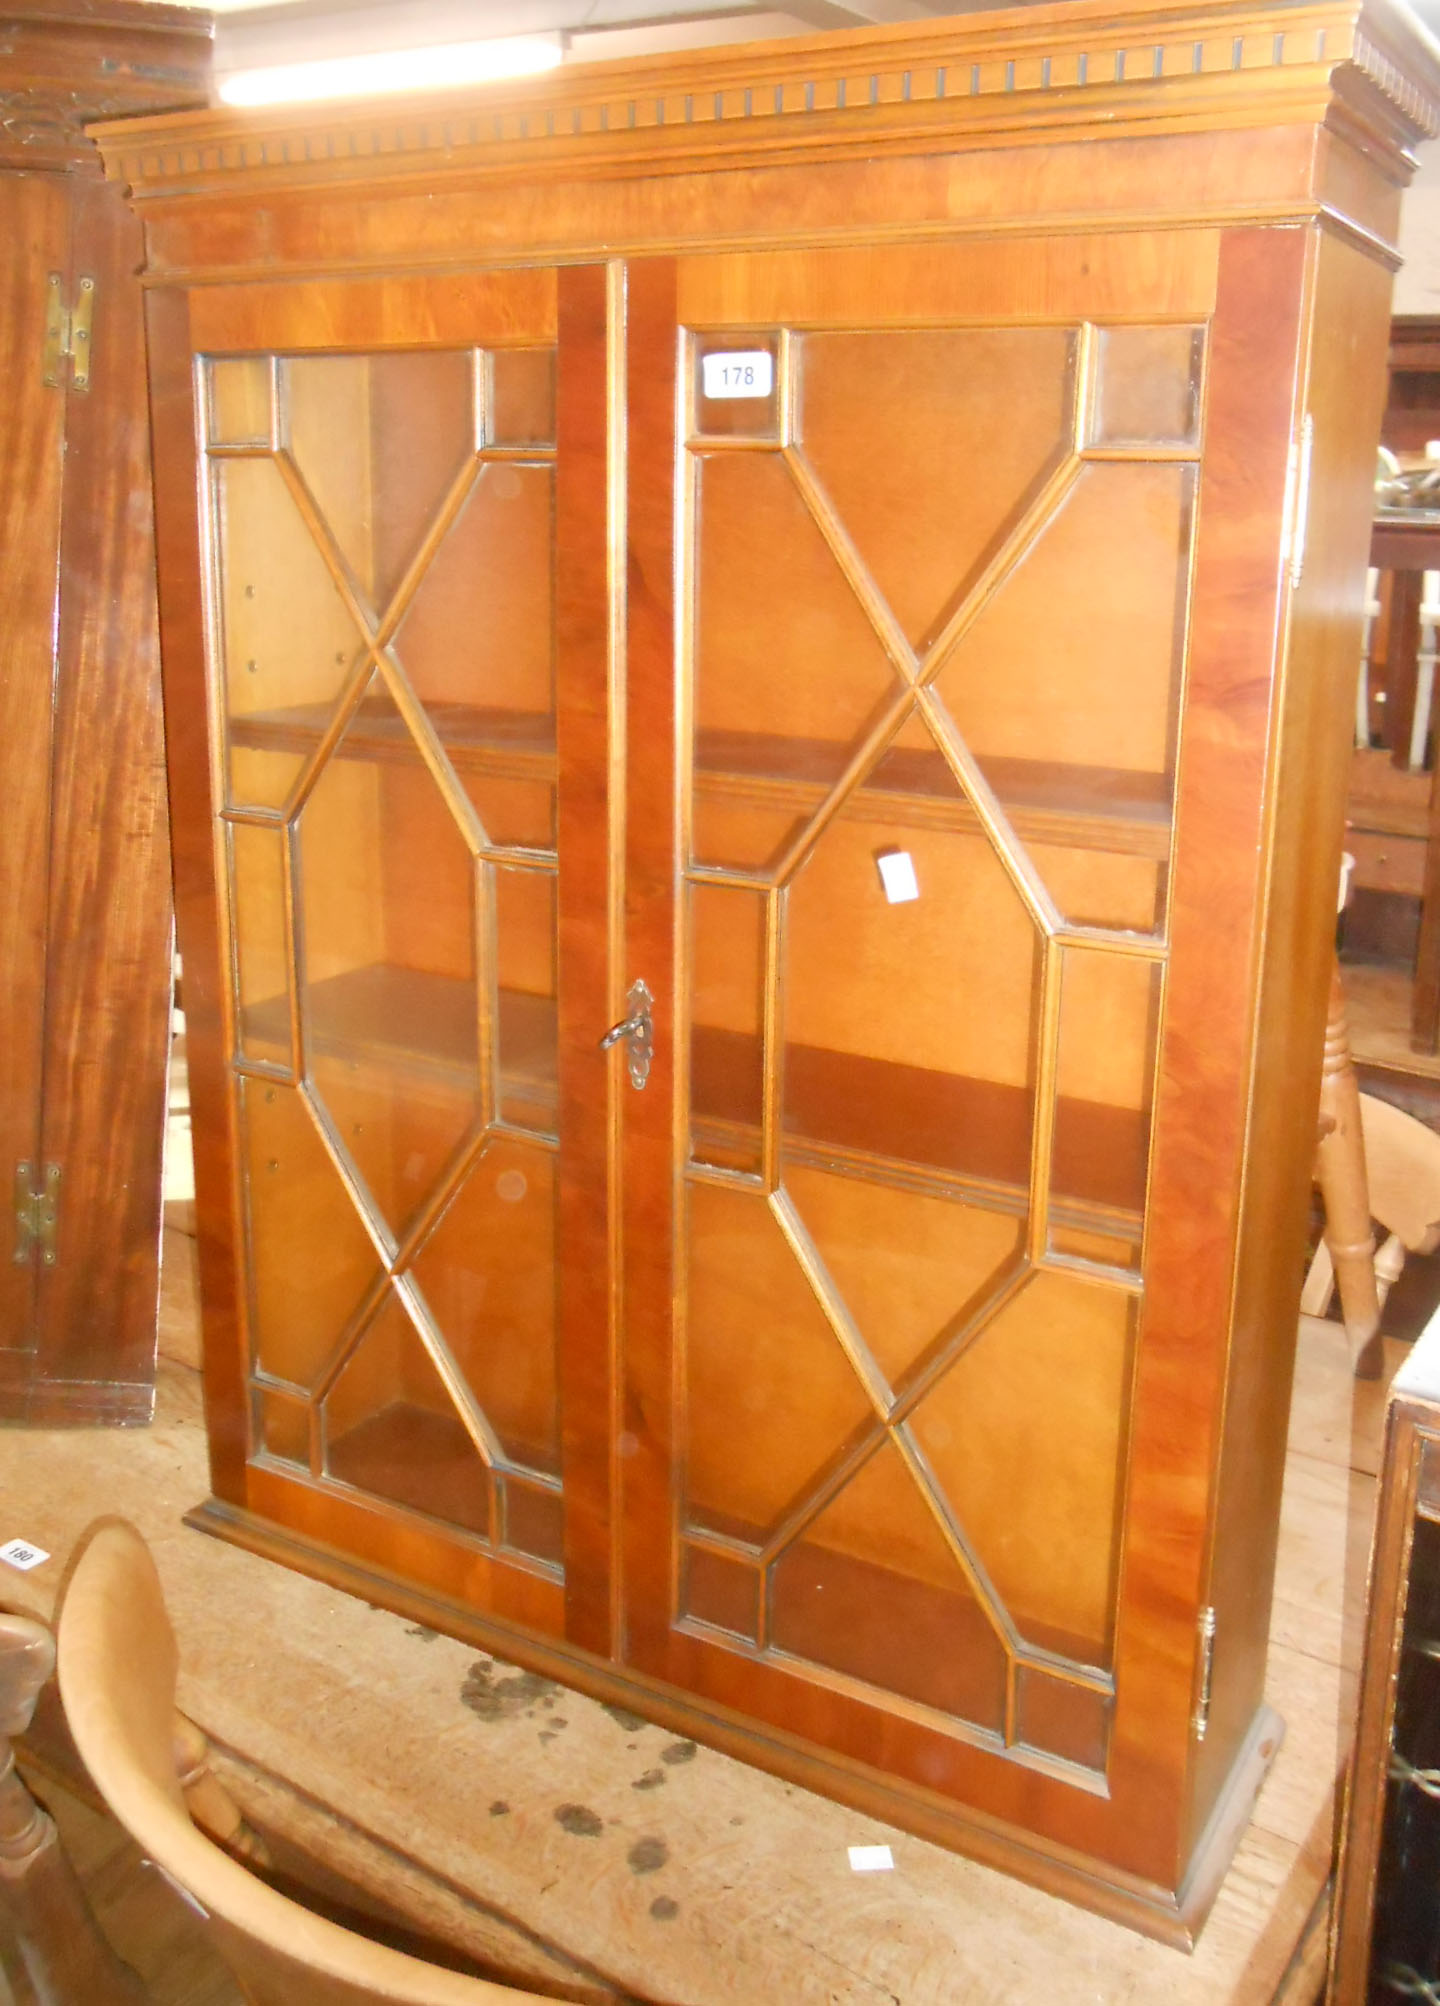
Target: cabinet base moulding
x=1175 y=1919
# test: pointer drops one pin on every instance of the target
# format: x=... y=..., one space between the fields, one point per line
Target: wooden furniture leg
x=67 y=1960
x=1340 y=1173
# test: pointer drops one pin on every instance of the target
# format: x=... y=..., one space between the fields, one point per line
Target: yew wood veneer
x=863 y=537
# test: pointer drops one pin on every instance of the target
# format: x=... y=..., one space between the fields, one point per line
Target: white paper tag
x=738 y=372
x=20 y=1553
x=870 y=1860
x=897 y=876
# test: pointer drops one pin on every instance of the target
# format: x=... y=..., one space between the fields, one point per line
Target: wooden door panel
x=108 y=990
x=935 y=573
x=36 y=231
x=379 y=535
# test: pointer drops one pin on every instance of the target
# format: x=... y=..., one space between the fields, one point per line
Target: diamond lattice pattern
x=384 y=532
x=915 y=1205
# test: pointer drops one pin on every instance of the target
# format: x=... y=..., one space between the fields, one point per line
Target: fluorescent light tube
x=393 y=70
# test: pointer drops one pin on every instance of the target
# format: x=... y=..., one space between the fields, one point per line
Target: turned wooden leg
x=207 y=1800
x=67 y=1960
x=1340 y=1173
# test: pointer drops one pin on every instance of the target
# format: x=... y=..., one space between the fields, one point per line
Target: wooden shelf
x=418 y=1458
x=426 y=1461
x=417 y=1022
x=1048 y=801
x=835 y=1608
x=508 y=744
x=870 y=1115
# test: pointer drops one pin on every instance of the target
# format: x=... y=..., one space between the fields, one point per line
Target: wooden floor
x=579 y=1848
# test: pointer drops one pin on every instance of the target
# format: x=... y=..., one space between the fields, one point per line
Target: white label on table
x=897 y=876
x=870 y=1860
x=20 y=1553
x=738 y=372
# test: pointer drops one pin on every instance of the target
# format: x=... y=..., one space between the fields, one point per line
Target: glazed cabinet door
x=378 y=530
x=904 y=1447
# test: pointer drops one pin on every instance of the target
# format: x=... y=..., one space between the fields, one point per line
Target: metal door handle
x=637 y=1033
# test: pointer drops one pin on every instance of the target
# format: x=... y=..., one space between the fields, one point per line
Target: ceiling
x=256 y=32
x=593 y=30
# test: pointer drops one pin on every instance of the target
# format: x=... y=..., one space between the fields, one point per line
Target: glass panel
x=526 y=946
x=1109 y=1250
x=282 y=1426
x=287 y=642
x=727 y=1006
x=736 y=385
x=770 y=1399
x=240 y=401
x=488 y=1277
x=391 y=1428
x=1067 y=685
x=311 y=1261
x=909 y=1025
x=931 y=445
x=721 y=1591
x=1109 y=1025
x=912 y=1270
x=1060 y=1719
x=406 y=948
x=1148 y=391
x=873 y=1589
x=387 y=965
x=534 y=1519
x=379 y=441
x=257 y=876
x=780 y=638
x=1043 y=1391
x=1107 y=888
x=478 y=646
x=522 y=397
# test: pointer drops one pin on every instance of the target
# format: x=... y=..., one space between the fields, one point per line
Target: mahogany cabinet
x=84 y=864
x=863 y=537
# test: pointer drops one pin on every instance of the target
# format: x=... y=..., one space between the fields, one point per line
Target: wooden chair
x=1373 y=1162
x=117 y=1669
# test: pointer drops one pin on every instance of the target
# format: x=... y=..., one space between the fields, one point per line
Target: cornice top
x=1076 y=68
x=66 y=62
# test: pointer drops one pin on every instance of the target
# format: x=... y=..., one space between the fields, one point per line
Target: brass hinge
x=1207 y=1670
x=67 y=333
x=37 y=1215
x=1297 y=500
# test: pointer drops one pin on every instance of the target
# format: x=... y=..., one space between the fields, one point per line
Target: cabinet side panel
x=1346 y=382
x=1201 y=1098
x=34 y=226
x=108 y=990
x=179 y=562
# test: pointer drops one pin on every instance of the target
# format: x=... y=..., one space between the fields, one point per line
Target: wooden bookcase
x=892 y=1389
x=85 y=963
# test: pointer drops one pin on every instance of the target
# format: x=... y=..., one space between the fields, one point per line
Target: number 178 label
x=740 y=372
